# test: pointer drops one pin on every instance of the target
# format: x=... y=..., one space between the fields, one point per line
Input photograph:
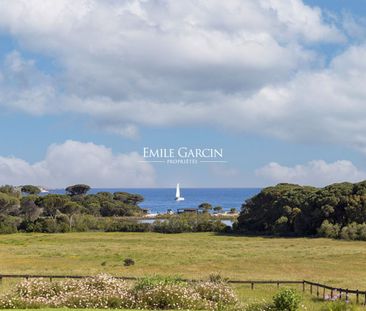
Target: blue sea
x=159 y=200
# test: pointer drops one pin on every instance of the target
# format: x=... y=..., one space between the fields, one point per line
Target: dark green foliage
x=205 y=207
x=10 y=190
x=121 y=225
x=9 y=224
x=52 y=204
x=113 y=208
x=189 y=223
x=29 y=209
x=329 y=230
x=128 y=198
x=30 y=189
x=78 y=189
x=218 y=209
x=288 y=209
x=63 y=213
x=9 y=204
x=128 y=262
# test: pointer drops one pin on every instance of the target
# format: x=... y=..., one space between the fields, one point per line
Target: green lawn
x=192 y=255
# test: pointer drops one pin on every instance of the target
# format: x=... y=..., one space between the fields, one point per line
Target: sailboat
x=177 y=194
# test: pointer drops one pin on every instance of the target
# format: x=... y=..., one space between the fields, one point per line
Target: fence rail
x=314 y=288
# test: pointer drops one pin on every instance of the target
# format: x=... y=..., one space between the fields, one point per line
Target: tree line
x=337 y=211
x=23 y=208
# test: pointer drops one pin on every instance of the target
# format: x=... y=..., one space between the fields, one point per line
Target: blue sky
x=86 y=85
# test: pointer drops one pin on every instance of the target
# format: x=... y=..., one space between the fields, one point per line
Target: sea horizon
x=160 y=200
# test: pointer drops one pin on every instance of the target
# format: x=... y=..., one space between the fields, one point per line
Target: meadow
x=190 y=255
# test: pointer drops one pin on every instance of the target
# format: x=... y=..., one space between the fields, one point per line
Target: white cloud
x=24 y=87
x=317 y=172
x=305 y=21
x=243 y=65
x=76 y=162
x=127 y=63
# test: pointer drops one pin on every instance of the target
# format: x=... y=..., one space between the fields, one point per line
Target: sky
x=279 y=85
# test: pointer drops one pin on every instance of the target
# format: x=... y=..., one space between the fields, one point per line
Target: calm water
x=159 y=200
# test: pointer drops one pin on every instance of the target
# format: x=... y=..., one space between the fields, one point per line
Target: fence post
x=303 y=286
x=252 y=285
x=317 y=291
x=357 y=298
x=365 y=299
x=323 y=293
x=278 y=284
x=311 y=288
x=340 y=293
x=331 y=293
x=50 y=279
x=347 y=294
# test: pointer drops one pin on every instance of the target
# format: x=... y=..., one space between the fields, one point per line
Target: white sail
x=177 y=192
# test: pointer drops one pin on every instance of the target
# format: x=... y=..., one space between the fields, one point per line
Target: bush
x=104 y=291
x=170 y=296
x=82 y=223
x=9 y=224
x=286 y=300
x=217 y=278
x=329 y=230
x=189 y=223
x=121 y=225
x=350 y=232
x=128 y=262
x=173 y=293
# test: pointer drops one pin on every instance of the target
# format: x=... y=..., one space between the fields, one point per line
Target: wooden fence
x=320 y=290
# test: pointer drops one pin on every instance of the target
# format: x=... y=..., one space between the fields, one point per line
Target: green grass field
x=192 y=255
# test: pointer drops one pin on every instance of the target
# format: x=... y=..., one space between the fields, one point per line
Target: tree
x=79 y=189
x=29 y=209
x=205 y=207
x=233 y=210
x=51 y=203
x=10 y=190
x=30 y=189
x=8 y=203
x=218 y=209
x=70 y=209
x=128 y=198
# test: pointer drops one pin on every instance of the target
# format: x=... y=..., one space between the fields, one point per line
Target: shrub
x=120 y=225
x=170 y=296
x=286 y=300
x=217 y=278
x=82 y=223
x=350 y=232
x=104 y=291
x=149 y=282
x=9 y=224
x=362 y=232
x=217 y=292
x=189 y=223
x=128 y=262
x=329 y=230
x=47 y=225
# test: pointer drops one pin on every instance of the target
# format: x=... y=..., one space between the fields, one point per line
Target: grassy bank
x=195 y=255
